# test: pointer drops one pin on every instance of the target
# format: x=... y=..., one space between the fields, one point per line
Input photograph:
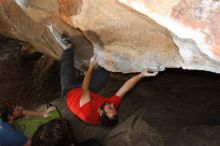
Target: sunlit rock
x=124 y=39
x=39 y=10
x=195 y=26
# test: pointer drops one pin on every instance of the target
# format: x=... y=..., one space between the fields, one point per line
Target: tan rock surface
x=20 y=22
x=127 y=41
x=195 y=24
x=123 y=39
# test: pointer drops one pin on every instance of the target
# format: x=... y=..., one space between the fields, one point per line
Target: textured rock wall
x=195 y=27
x=30 y=20
x=124 y=39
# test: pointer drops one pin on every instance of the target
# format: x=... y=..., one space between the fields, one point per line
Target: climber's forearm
x=128 y=85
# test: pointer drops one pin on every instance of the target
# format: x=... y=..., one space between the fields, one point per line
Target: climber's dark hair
x=7 y=109
x=105 y=120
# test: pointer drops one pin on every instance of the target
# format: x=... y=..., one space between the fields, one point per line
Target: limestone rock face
x=124 y=39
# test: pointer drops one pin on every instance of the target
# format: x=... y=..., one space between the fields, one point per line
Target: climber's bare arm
x=85 y=98
x=128 y=85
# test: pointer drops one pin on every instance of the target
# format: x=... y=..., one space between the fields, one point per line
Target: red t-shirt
x=89 y=111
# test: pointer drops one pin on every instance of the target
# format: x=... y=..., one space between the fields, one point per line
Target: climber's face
x=110 y=110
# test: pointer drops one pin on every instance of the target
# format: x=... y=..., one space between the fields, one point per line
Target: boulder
x=194 y=25
x=126 y=35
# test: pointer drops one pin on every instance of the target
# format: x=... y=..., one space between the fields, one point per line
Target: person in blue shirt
x=9 y=136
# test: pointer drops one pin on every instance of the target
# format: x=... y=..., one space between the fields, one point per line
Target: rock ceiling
x=126 y=35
